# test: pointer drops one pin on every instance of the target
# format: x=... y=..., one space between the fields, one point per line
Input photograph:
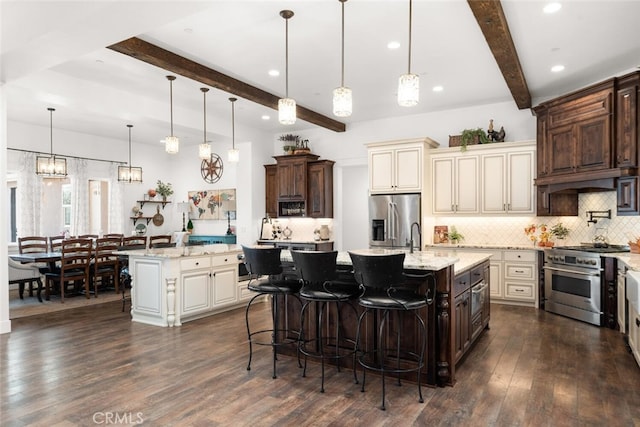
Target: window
x=66 y=206
x=12 y=231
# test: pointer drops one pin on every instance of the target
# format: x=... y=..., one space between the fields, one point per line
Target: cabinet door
x=494 y=175
x=467 y=185
x=408 y=169
x=462 y=313
x=561 y=150
x=627 y=189
x=225 y=286
x=520 y=182
x=593 y=144
x=271 y=190
x=320 y=192
x=442 y=177
x=195 y=292
x=495 y=279
x=541 y=144
x=381 y=170
x=292 y=179
x=626 y=127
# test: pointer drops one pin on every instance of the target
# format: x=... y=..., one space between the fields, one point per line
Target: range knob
x=593 y=262
x=579 y=261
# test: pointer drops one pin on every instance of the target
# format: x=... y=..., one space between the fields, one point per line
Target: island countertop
x=184 y=251
x=434 y=260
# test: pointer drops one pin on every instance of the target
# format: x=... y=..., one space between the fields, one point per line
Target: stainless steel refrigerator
x=390 y=220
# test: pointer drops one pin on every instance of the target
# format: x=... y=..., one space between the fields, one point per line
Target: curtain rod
x=71 y=157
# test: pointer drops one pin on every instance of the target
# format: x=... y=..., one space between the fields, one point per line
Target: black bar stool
x=381 y=280
x=265 y=270
x=320 y=285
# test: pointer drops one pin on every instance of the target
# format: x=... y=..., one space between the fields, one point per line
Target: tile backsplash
x=509 y=230
x=302 y=229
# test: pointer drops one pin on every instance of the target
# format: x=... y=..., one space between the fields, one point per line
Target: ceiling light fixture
x=557 y=68
x=171 y=143
x=342 y=96
x=52 y=166
x=409 y=84
x=552 y=7
x=234 y=155
x=204 y=150
x=286 y=105
x=130 y=174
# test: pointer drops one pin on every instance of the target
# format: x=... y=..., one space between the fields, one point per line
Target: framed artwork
x=440 y=234
x=212 y=204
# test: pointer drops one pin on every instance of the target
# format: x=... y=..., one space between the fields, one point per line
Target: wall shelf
x=162 y=202
x=137 y=218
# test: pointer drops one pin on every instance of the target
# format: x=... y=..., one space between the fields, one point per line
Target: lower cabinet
x=471 y=308
x=634 y=332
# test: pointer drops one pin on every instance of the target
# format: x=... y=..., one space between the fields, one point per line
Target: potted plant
x=470 y=136
x=291 y=141
x=560 y=231
x=455 y=236
x=164 y=189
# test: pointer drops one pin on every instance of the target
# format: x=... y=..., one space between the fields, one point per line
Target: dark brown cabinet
x=299 y=185
x=471 y=307
x=627 y=122
x=627 y=200
x=462 y=327
x=320 y=190
x=555 y=204
x=271 y=190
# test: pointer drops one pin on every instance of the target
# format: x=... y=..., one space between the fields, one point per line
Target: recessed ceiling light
x=393 y=45
x=188 y=30
x=266 y=117
x=274 y=73
x=438 y=88
x=552 y=7
x=557 y=68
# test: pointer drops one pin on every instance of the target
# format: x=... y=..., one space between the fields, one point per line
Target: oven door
x=573 y=292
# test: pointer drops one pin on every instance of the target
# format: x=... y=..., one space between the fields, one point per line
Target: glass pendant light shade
x=342 y=101
x=51 y=166
x=287 y=111
x=171 y=143
x=408 y=90
x=286 y=105
x=233 y=154
x=130 y=174
x=204 y=150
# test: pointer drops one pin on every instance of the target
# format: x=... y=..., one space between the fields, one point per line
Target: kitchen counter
x=183 y=251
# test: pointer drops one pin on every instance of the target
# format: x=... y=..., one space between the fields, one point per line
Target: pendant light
x=342 y=96
x=234 y=155
x=286 y=105
x=51 y=166
x=204 y=150
x=130 y=174
x=171 y=143
x=409 y=84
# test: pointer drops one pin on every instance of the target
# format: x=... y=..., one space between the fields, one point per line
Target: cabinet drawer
x=519 y=271
x=526 y=256
x=477 y=275
x=518 y=290
x=461 y=283
x=220 y=260
x=195 y=263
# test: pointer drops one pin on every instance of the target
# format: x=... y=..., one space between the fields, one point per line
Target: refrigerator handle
x=394 y=217
x=389 y=231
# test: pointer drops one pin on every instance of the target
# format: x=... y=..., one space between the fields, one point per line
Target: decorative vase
x=324 y=232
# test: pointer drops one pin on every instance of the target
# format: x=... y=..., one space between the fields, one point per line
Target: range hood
x=589 y=186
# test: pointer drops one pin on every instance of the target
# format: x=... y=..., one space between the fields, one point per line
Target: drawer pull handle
x=519 y=290
x=197 y=263
x=519 y=271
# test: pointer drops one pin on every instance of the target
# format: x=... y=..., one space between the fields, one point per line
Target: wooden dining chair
x=55 y=243
x=75 y=266
x=120 y=235
x=27 y=245
x=106 y=264
x=128 y=243
x=134 y=242
x=160 y=241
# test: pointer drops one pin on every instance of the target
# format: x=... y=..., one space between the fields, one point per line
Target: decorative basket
x=456 y=140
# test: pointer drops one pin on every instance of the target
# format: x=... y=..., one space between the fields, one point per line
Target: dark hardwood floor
x=92 y=366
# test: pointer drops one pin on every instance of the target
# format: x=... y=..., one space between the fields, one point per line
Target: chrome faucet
x=411 y=237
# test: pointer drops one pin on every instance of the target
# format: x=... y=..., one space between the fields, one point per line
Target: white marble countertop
x=420 y=260
x=311 y=242
x=484 y=246
x=185 y=251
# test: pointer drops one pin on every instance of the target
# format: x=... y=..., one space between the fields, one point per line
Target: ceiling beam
x=155 y=55
x=493 y=24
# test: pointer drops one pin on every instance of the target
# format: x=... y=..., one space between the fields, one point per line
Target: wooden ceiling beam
x=167 y=60
x=493 y=24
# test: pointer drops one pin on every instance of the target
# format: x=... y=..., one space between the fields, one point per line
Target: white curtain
x=77 y=170
x=116 y=191
x=29 y=197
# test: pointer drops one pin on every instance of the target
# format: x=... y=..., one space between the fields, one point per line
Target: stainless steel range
x=572 y=282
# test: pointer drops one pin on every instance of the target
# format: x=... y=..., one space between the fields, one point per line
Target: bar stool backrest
x=262 y=261
x=378 y=271
x=314 y=267
x=109 y=241
x=134 y=242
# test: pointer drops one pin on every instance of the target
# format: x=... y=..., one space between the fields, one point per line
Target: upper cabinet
x=627 y=118
x=488 y=179
x=398 y=166
x=299 y=185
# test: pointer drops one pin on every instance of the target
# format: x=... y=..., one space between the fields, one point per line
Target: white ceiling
x=53 y=55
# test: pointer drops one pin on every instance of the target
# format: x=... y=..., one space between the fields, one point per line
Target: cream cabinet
x=169 y=288
x=455 y=184
x=507 y=182
x=398 y=166
x=488 y=179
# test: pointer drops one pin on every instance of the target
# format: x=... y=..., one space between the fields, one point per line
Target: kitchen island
x=174 y=285
x=450 y=327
